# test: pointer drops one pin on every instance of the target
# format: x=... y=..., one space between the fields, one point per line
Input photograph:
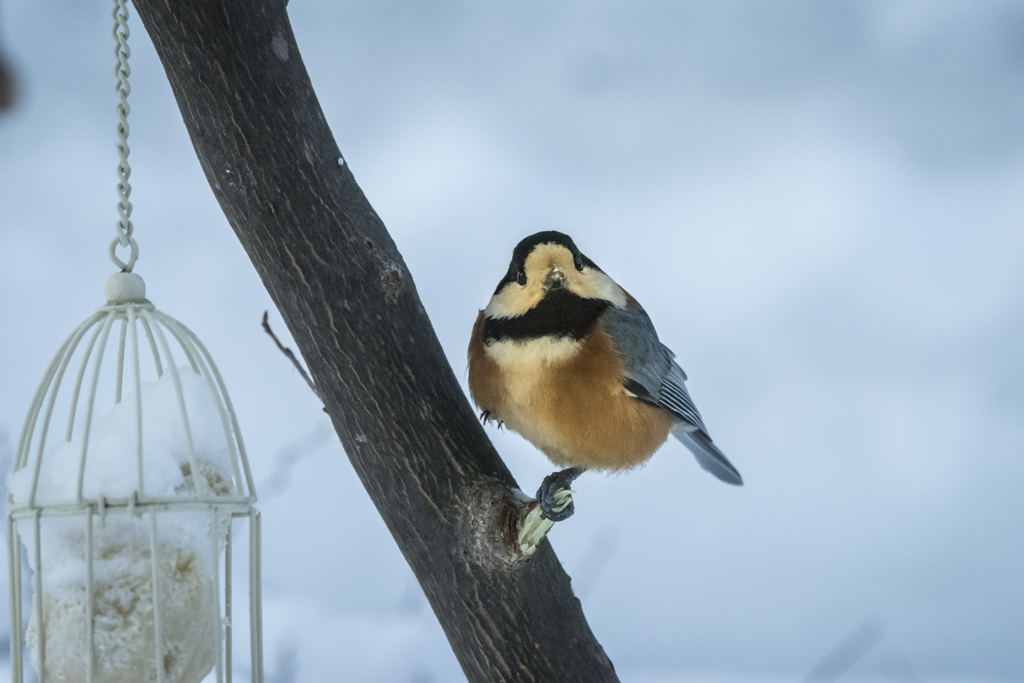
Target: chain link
x=122 y=52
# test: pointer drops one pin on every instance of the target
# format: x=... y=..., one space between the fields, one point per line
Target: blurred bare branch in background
x=594 y=560
x=7 y=85
x=847 y=653
x=286 y=459
x=286 y=669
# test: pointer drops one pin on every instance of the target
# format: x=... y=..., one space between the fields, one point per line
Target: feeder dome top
x=125 y=288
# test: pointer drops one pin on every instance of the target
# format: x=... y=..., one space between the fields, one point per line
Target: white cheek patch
x=514 y=300
x=527 y=356
x=593 y=284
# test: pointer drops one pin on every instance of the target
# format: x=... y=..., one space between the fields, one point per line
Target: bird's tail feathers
x=708 y=455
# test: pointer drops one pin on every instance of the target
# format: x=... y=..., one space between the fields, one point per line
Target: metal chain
x=123 y=225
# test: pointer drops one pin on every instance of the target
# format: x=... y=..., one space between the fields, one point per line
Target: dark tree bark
x=351 y=305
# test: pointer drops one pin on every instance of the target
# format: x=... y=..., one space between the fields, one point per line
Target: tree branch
x=351 y=305
x=290 y=356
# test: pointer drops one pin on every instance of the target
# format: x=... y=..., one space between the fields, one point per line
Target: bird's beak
x=554 y=280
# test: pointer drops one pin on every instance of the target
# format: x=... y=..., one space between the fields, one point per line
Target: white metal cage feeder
x=127 y=521
x=115 y=518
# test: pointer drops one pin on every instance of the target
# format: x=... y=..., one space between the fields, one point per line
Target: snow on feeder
x=127 y=519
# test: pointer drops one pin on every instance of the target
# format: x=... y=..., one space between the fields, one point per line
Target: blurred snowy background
x=821 y=205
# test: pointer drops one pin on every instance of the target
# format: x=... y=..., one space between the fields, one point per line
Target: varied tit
x=569 y=360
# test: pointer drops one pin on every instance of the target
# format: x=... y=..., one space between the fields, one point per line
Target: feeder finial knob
x=125 y=288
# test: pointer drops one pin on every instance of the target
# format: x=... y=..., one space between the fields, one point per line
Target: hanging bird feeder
x=126 y=513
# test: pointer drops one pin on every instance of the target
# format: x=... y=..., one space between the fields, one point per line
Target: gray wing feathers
x=676 y=399
x=650 y=367
x=636 y=341
x=709 y=457
x=650 y=363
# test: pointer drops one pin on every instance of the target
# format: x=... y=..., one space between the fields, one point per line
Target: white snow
x=111 y=468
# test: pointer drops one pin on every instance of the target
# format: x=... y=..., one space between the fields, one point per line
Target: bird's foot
x=555 y=496
x=486 y=416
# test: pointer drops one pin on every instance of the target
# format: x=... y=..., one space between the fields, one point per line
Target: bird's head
x=547 y=268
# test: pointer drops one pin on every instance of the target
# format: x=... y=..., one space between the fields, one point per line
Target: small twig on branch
x=291 y=356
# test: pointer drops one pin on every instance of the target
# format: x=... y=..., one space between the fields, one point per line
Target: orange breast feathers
x=566 y=398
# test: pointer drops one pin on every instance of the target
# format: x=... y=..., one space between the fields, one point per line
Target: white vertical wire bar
x=138 y=396
x=120 y=361
x=259 y=590
x=186 y=338
x=165 y=320
x=14 y=584
x=19 y=605
x=171 y=366
x=37 y=597
x=227 y=599
x=90 y=632
x=254 y=647
x=28 y=426
x=152 y=346
x=52 y=381
x=11 y=592
x=78 y=380
x=90 y=405
x=231 y=411
x=170 y=323
x=215 y=588
x=158 y=627
x=255 y=591
x=54 y=387
x=37 y=401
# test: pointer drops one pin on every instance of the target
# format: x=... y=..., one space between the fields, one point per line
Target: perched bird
x=568 y=359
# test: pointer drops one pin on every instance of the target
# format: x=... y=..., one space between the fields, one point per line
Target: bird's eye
x=521 y=278
x=579 y=263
